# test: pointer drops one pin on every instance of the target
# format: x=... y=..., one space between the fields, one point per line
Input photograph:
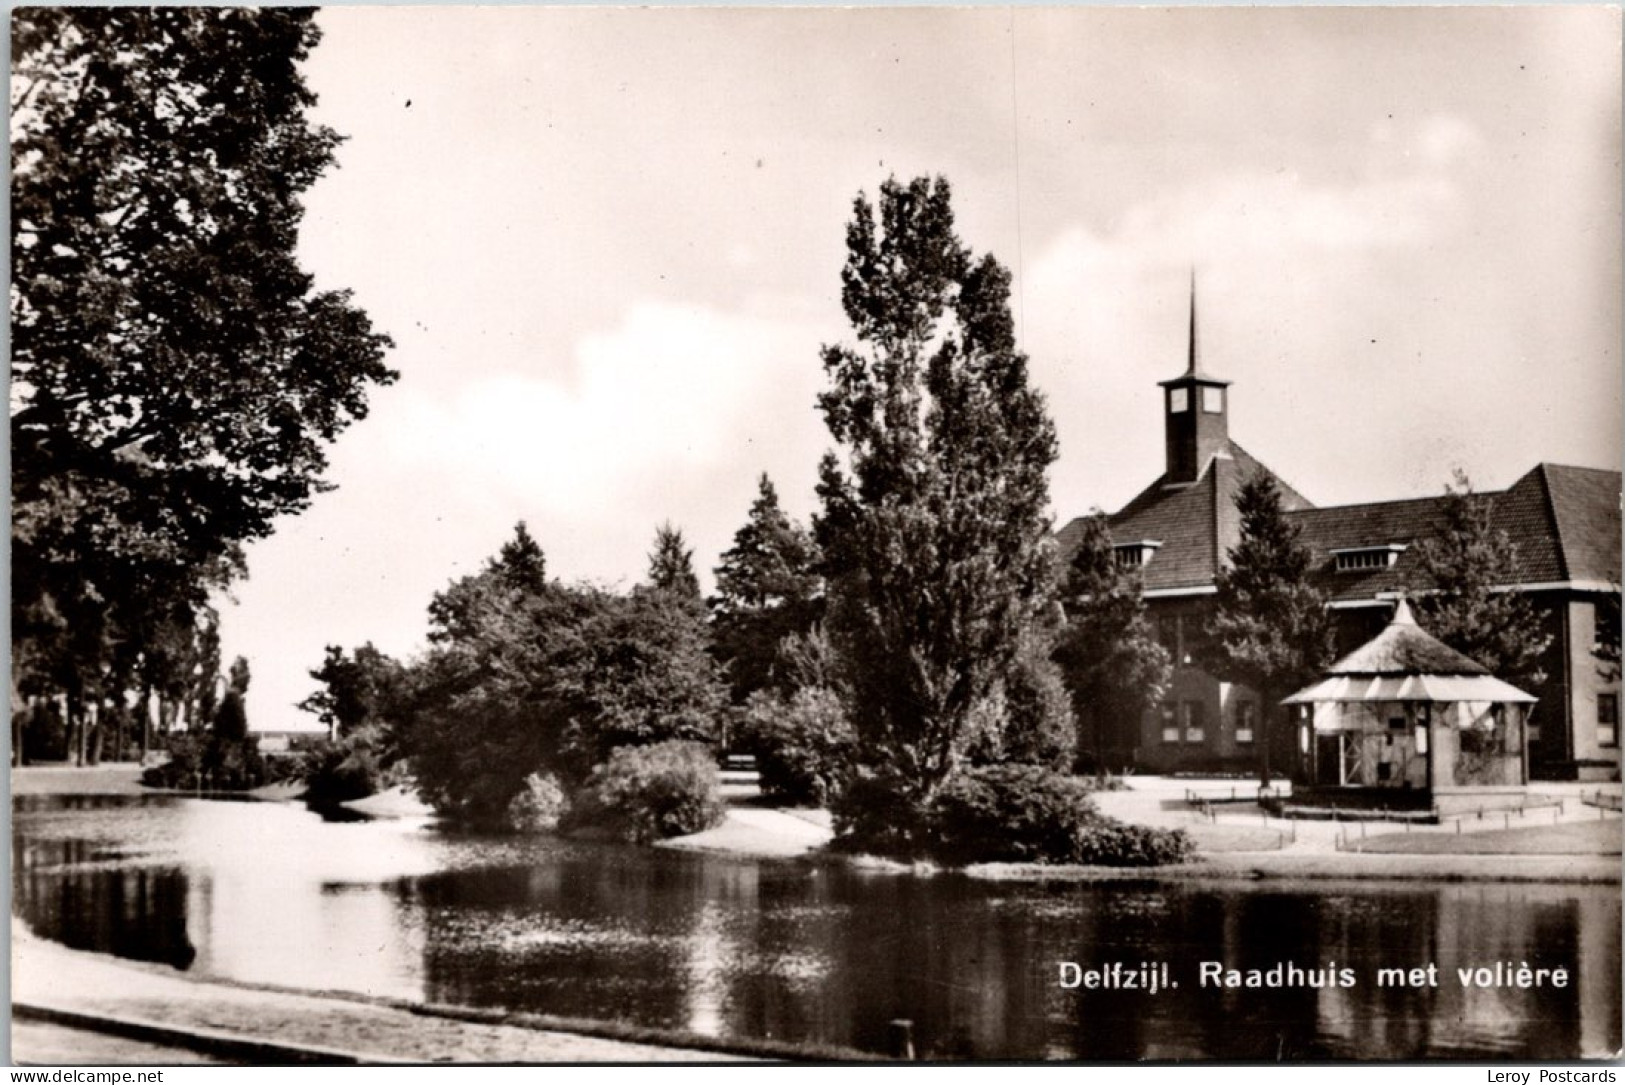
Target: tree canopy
x=671 y=565
x=176 y=375
x=933 y=530
x=530 y=676
x=1114 y=664
x=768 y=588
x=1460 y=568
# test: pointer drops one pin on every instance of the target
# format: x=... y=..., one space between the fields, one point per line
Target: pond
x=273 y=893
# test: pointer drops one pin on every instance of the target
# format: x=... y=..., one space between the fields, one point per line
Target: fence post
x=902 y=1039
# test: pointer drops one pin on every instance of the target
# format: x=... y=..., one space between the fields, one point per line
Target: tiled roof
x=1378 y=524
x=1585 y=504
x=1195 y=523
x=1565 y=522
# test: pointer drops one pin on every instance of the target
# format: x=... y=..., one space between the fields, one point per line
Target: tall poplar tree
x=934 y=528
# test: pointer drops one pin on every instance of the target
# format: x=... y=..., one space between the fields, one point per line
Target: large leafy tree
x=1270 y=629
x=176 y=375
x=1460 y=568
x=768 y=588
x=530 y=676
x=358 y=689
x=1115 y=667
x=933 y=531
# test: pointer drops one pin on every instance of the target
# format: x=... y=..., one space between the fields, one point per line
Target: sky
x=608 y=245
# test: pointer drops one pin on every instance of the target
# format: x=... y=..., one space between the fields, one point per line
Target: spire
x=1193 y=369
x=1402 y=614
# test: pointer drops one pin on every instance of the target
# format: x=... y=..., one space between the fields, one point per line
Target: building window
x=1132 y=555
x=1246 y=720
x=1190 y=720
x=1608 y=719
x=1170 y=726
x=1178 y=403
x=1213 y=400
x=1364 y=558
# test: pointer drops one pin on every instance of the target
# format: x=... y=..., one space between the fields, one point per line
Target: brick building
x=1179 y=530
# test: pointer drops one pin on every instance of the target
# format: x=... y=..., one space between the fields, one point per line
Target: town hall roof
x=1564 y=521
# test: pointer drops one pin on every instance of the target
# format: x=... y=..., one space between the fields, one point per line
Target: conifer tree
x=671 y=565
x=1271 y=629
x=1460 y=568
x=768 y=588
x=1115 y=667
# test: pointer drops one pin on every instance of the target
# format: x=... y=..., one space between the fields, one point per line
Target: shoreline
x=764 y=833
x=144 y=999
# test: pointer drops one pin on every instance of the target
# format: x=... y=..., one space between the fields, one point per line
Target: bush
x=644 y=793
x=343 y=771
x=1010 y=813
x=803 y=746
x=871 y=819
x=539 y=807
x=1026 y=814
x=210 y=762
x=1113 y=843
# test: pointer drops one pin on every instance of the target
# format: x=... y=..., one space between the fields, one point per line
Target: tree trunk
x=1266 y=735
x=76 y=730
x=146 y=721
x=93 y=732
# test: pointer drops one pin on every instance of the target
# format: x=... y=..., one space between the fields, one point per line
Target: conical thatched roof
x=1404 y=648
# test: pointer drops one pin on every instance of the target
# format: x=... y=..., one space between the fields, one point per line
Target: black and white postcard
x=604 y=534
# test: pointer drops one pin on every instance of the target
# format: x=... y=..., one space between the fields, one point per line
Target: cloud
x=1290 y=267
x=660 y=399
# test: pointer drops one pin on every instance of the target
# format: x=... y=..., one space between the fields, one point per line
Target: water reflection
x=794 y=951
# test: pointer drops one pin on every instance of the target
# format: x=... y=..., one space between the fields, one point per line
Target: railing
x=1602 y=800
x=1205 y=801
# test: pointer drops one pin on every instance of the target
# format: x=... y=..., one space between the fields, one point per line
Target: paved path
x=54 y=978
x=40 y=1043
x=760 y=831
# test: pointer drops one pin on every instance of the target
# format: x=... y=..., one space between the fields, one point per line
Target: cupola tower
x=1195 y=415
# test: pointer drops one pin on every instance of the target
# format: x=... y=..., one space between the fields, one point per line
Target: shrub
x=1113 y=843
x=870 y=818
x=210 y=762
x=539 y=807
x=1010 y=813
x=644 y=793
x=1022 y=813
x=803 y=745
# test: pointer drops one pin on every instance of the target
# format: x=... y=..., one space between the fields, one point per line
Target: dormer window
x=1363 y=559
x=1135 y=554
x=1178 y=400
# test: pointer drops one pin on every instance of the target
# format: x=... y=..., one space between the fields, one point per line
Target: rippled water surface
x=271 y=892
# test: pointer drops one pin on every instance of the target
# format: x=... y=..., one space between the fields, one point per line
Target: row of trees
x=175 y=375
x=917 y=631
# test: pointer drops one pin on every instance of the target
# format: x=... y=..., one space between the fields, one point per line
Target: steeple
x=1195 y=413
x=1193 y=368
